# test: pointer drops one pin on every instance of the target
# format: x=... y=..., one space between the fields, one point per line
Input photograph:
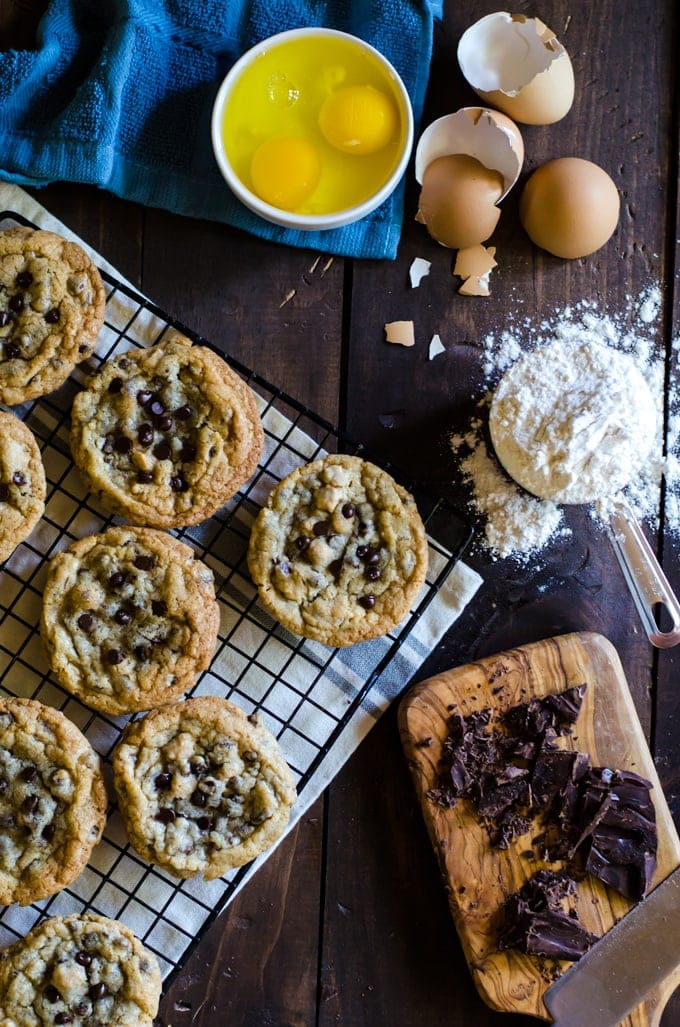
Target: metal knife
x=614 y=976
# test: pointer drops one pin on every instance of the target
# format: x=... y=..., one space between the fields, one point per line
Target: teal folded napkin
x=118 y=93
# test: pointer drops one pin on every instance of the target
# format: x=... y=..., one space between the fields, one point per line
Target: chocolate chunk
x=82 y=1009
x=162 y=451
x=303 y=542
x=164 y=422
x=335 y=567
x=98 y=991
x=205 y=823
x=115 y=385
x=145 y=563
x=12 y=351
x=28 y=774
x=163 y=781
x=159 y=607
x=24 y=279
x=368 y=602
x=187 y=453
x=83 y=958
x=166 y=815
x=145 y=435
x=52 y=316
x=144 y=477
x=114 y=657
x=51 y=993
x=122 y=617
x=321 y=528
x=362 y=551
x=143 y=652
x=122 y=444
x=349 y=510
x=184 y=413
x=536 y=923
x=144 y=397
x=63 y=1018
x=198 y=798
x=179 y=484
x=4 y=785
x=4 y=318
x=16 y=303
x=117 y=579
x=18 y=478
x=372 y=573
x=4 y=492
x=49 y=831
x=30 y=804
x=156 y=406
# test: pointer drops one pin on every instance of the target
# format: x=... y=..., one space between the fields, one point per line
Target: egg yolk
x=285 y=171
x=358 y=119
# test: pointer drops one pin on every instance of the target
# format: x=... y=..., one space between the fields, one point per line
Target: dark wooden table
x=347 y=922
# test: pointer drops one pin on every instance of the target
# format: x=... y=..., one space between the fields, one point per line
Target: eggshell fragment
x=436 y=347
x=475 y=260
x=488 y=136
x=569 y=207
x=517 y=64
x=418 y=270
x=400 y=332
x=458 y=200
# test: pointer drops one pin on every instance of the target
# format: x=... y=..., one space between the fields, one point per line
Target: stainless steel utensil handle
x=647 y=582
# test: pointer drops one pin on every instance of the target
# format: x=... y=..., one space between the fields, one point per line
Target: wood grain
x=477 y=877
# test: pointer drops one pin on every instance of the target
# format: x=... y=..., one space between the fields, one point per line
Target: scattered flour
x=518 y=525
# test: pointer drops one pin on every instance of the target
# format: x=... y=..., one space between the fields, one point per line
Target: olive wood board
x=477 y=877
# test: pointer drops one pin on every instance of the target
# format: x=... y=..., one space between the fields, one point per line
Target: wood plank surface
x=347 y=923
x=479 y=877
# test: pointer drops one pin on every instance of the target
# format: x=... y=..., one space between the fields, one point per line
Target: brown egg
x=569 y=207
x=458 y=200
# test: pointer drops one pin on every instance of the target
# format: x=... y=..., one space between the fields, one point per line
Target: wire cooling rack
x=305 y=693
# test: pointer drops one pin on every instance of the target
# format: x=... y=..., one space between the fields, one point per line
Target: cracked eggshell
x=517 y=64
x=488 y=136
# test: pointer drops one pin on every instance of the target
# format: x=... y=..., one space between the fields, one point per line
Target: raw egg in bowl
x=312 y=128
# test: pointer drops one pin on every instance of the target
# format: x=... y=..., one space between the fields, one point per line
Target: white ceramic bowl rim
x=290 y=219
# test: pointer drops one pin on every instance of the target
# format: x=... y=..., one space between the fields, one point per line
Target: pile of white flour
x=518 y=525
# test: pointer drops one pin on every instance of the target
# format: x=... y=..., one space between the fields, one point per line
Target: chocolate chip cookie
x=129 y=619
x=22 y=483
x=339 y=551
x=52 y=801
x=52 y=302
x=166 y=435
x=81 y=970
x=202 y=788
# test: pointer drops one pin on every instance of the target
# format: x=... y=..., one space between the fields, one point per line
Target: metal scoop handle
x=648 y=584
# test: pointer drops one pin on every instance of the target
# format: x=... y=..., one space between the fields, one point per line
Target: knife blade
x=614 y=976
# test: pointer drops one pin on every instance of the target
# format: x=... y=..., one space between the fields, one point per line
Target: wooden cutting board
x=477 y=877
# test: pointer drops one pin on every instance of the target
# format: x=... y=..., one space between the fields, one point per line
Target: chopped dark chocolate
x=594 y=818
x=535 y=921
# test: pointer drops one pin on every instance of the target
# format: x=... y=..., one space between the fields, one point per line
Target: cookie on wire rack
x=22 y=483
x=52 y=801
x=52 y=302
x=164 y=436
x=202 y=788
x=339 y=552
x=79 y=969
x=129 y=618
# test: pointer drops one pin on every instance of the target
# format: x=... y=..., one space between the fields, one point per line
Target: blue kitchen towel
x=118 y=93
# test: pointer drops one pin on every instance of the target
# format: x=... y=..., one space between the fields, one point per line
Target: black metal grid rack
x=305 y=693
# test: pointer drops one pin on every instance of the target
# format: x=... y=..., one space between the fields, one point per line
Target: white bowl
x=291 y=219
